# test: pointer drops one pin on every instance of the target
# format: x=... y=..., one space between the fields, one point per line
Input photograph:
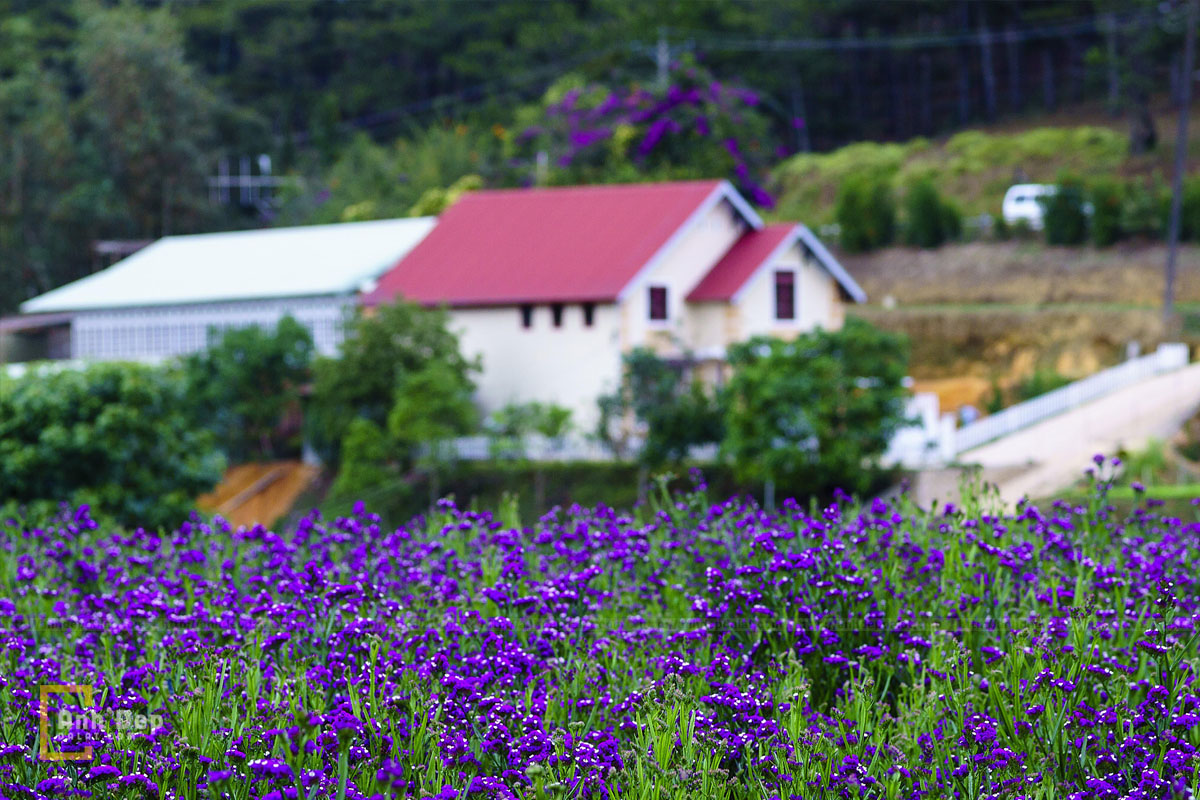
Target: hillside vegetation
x=973 y=168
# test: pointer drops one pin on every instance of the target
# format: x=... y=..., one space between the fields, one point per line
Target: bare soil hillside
x=1023 y=274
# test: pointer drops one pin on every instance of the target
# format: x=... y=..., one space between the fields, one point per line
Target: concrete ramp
x=1051 y=455
x=258 y=492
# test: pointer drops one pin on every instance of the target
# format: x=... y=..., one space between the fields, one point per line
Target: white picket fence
x=1166 y=358
x=534 y=448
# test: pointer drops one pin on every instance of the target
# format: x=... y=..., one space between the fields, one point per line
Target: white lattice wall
x=151 y=334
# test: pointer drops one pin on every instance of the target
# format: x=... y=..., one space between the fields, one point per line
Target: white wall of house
x=711 y=326
x=686 y=261
x=816 y=298
x=570 y=365
x=155 y=333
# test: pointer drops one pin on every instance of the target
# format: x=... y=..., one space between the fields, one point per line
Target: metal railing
x=1166 y=358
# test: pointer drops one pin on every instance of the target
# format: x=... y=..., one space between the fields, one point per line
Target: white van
x=1021 y=203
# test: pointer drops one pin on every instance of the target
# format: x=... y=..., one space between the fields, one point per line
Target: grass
x=693 y=649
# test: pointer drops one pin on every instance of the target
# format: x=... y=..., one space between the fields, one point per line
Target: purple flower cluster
x=691 y=114
x=692 y=649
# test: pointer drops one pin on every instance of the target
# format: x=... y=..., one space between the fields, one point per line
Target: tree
x=380 y=351
x=694 y=127
x=114 y=436
x=815 y=413
x=246 y=381
x=514 y=423
x=45 y=221
x=1064 y=218
x=930 y=220
x=149 y=117
x=673 y=409
x=866 y=213
x=432 y=404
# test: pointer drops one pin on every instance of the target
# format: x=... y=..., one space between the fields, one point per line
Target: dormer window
x=658 y=303
x=785 y=294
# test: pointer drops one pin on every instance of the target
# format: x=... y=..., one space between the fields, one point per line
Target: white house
x=162 y=301
x=551 y=286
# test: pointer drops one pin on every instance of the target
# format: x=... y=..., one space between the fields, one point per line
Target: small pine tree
x=931 y=221
x=1064 y=217
x=1107 y=197
x=866 y=214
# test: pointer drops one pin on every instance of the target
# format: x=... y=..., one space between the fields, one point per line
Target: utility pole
x=1181 y=142
x=662 y=56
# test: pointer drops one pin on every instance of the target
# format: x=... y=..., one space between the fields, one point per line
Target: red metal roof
x=569 y=244
x=747 y=255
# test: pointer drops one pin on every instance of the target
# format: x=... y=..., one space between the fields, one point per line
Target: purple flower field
x=696 y=649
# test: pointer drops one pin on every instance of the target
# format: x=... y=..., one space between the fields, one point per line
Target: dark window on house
x=658 y=302
x=785 y=294
x=556 y=312
x=527 y=316
x=589 y=314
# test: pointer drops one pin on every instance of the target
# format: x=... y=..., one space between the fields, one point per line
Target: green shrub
x=114 y=436
x=1001 y=230
x=929 y=220
x=1107 y=196
x=1064 y=220
x=245 y=384
x=1189 y=220
x=866 y=214
x=1039 y=383
x=818 y=411
x=1142 y=210
x=379 y=354
x=1021 y=230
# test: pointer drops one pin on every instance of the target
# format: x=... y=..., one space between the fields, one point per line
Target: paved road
x=1051 y=455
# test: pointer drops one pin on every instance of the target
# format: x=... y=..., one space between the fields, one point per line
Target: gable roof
x=748 y=253
x=758 y=248
x=312 y=260
x=569 y=244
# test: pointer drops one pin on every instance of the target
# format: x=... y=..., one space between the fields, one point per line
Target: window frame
x=780 y=278
x=651 y=305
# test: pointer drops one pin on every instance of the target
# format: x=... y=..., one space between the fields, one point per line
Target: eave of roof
x=730 y=276
x=236 y=266
x=743 y=260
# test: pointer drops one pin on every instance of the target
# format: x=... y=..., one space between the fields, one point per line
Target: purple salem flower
x=797 y=123
x=748 y=97
x=702 y=127
x=654 y=133
x=582 y=139
x=759 y=196
x=569 y=100
x=102 y=773
x=611 y=103
x=732 y=146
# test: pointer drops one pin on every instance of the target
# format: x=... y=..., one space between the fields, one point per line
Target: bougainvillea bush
x=694 y=649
